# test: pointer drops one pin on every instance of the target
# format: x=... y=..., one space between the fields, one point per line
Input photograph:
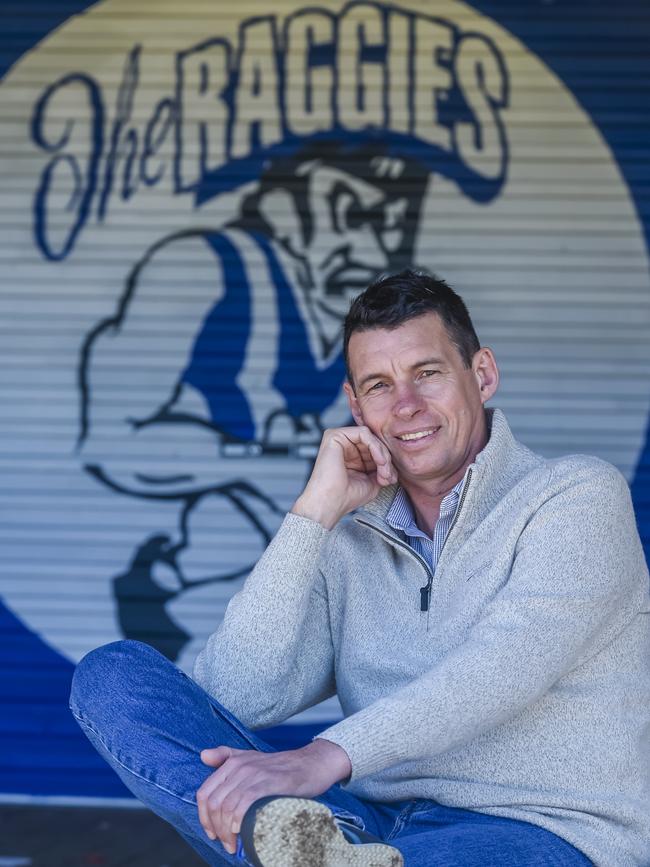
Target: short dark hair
x=396 y=298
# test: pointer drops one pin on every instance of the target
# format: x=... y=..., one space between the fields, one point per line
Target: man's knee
x=106 y=677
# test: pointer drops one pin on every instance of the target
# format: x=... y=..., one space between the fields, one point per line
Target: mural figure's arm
x=142 y=428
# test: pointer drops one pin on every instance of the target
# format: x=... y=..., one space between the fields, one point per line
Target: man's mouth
x=417 y=435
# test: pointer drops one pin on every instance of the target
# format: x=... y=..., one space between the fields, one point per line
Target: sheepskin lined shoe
x=298 y=832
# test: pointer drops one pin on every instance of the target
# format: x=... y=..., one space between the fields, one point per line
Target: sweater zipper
x=425 y=592
x=405 y=547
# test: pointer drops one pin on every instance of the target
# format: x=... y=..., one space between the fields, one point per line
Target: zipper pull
x=424 y=598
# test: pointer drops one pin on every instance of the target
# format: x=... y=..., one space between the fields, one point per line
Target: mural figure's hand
x=244 y=776
x=352 y=465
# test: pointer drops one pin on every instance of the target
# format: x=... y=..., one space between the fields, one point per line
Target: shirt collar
x=401 y=516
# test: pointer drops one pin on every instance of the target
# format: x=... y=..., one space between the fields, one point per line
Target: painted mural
x=190 y=203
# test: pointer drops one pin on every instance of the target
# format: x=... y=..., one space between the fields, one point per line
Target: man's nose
x=408 y=402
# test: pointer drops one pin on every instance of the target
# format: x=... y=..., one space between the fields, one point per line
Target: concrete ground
x=45 y=836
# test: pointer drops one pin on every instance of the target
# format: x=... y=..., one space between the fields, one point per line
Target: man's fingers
x=375 y=446
x=216 y=756
x=366 y=445
x=233 y=808
x=386 y=474
x=224 y=801
x=366 y=457
x=379 y=452
x=214 y=783
x=377 y=458
x=202 y=796
x=210 y=800
x=219 y=795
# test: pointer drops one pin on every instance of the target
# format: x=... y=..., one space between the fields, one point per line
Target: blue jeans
x=150 y=722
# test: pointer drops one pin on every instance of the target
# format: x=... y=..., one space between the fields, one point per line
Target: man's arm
x=577 y=579
x=273 y=654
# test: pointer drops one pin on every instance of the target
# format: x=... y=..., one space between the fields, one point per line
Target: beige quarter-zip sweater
x=524 y=690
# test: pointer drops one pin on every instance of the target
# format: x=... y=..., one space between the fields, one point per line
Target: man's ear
x=355 y=409
x=278 y=208
x=486 y=371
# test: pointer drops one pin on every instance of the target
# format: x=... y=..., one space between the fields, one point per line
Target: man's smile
x=411 y=436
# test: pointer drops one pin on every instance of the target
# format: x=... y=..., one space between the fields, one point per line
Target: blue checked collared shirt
x=400 y=517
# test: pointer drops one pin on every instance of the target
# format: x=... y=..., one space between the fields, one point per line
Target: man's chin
x=416 y=472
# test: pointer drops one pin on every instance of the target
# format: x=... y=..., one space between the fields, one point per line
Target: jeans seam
x=421 y=811
x=346 y=816
x=85 y=724
x=217 y=710
x=401 y=820
x=225 y=715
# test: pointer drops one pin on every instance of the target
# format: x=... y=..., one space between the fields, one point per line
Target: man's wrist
x=315 y=511
x=333 y=756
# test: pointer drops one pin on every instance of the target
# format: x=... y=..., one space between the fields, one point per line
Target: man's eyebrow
x=423 y=363
x=370 y=377
x=433 y=360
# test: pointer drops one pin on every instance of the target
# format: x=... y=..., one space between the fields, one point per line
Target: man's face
x=414 y=393
x=356 y=229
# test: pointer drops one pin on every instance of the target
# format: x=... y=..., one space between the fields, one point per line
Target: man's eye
x=427 y=373
x=376 y=387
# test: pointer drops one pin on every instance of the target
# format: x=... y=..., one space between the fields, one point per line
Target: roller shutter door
x=192 y=194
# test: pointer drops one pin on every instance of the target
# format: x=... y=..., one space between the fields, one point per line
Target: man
x=483 y=618
x=249 y=367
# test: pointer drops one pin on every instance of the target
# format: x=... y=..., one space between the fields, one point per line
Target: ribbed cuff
x=368 y=741
x=310 y=534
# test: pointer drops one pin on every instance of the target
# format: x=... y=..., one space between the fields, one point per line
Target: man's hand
x=244 y=776
x=351 y=466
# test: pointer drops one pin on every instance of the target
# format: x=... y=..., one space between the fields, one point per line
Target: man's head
x=394 y=299
x=418 y=378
